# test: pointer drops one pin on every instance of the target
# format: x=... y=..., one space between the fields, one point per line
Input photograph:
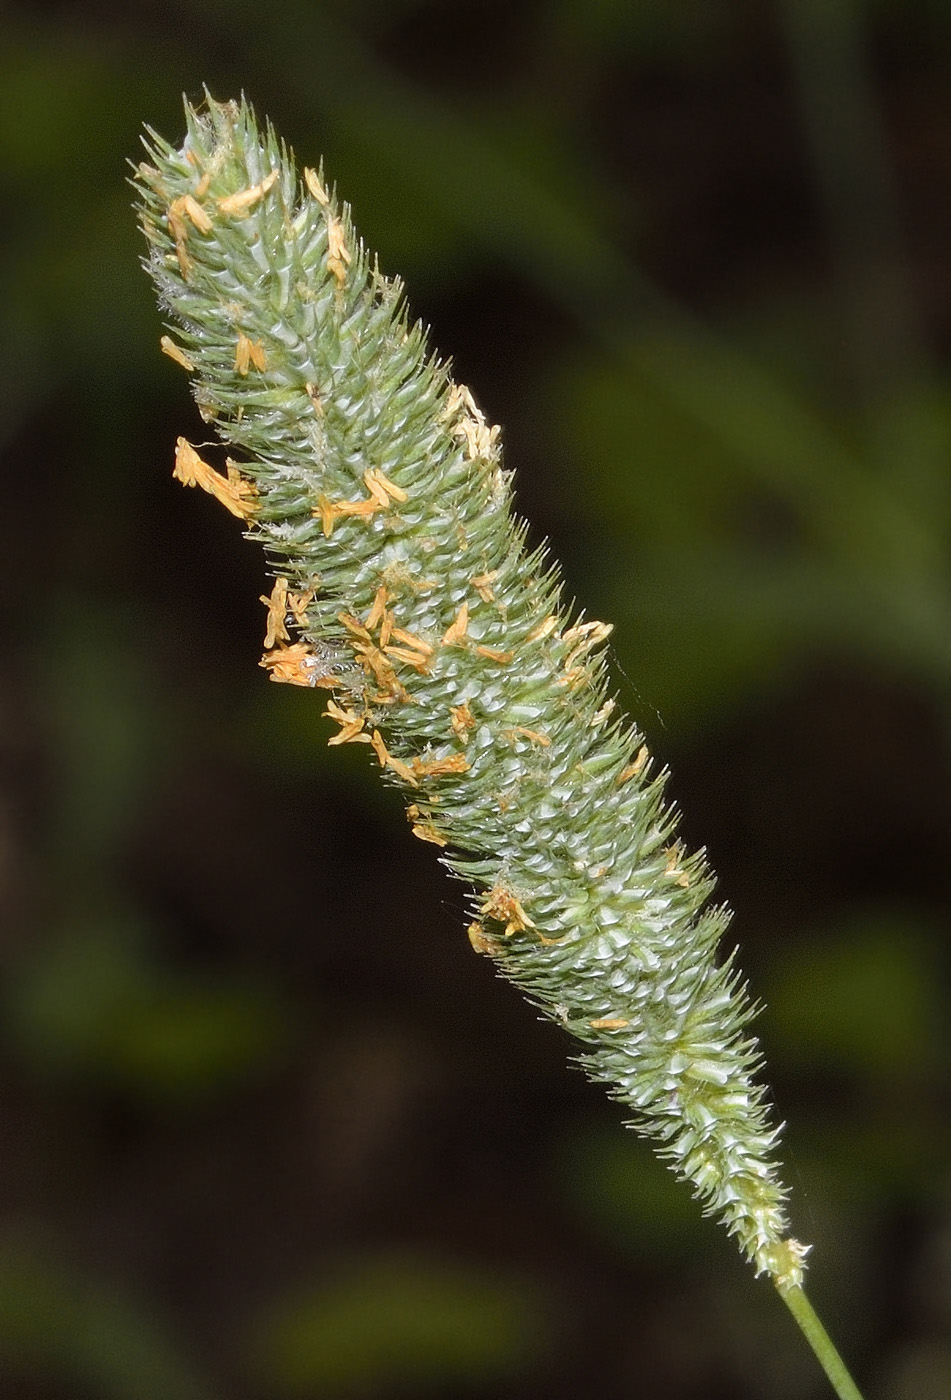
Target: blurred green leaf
x=921 y=1370
x=107 y=740
x=865 y=1000
x=92 y=1003
x=51 y=94
x=403 y=1321
x=733 y=533
x=71 y=300
x=850 y=1164
x=58 y=1324
x=629 y=1199
x=676 y=30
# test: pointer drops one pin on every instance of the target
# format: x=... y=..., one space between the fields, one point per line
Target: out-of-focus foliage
x=410 y=1322
x=61 y=1325
x=697 y=259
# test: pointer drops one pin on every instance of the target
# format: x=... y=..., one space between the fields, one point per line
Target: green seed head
x=404 y=588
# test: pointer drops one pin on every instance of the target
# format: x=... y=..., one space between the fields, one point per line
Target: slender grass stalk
x=403 y=587
x=821 y=1343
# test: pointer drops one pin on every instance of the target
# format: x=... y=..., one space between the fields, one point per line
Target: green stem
x=821 y=1343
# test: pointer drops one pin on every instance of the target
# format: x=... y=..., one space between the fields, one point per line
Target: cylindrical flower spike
x=403 y=584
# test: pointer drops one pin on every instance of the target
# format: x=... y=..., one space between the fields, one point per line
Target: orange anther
x=175 y=352
x=276 y=605
x=239 y=204
x=457 y=630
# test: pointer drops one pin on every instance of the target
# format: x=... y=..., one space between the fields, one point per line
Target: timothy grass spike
x=377 y=489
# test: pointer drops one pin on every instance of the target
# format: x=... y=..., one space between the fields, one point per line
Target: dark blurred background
x=269 y=1129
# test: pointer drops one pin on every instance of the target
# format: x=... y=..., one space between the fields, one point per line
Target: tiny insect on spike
x=176 y=353
x=549 y=942
x=609 y=1023
x=455 y=633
